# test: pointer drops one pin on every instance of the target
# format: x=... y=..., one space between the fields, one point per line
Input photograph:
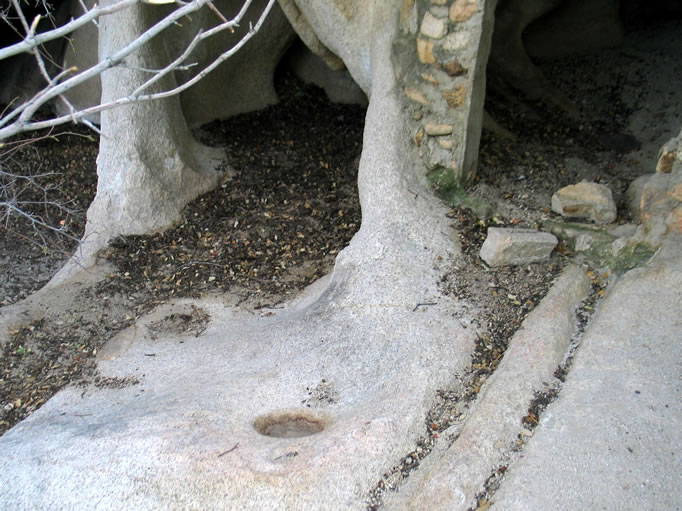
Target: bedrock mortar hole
x=289 y=424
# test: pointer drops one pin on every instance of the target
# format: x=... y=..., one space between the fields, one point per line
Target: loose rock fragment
x=434 y=129
x=462 y=10
x=665 y=163
x=433 y=27
x=455 y=97
x=416 y=95
x=425 y=51
x=505 y=246
x=585 y=200
x=453 y=68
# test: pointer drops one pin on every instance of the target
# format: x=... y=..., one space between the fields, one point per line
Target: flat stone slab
x=612 y=438
x=505 y=246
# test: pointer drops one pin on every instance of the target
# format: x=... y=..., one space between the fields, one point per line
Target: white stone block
x=505 y=246
x=433 y=27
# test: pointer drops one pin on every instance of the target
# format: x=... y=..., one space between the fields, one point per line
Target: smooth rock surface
x=613 y=436
x=585 y=200
x=218 y=421
x=516 y=246
x=451 y=479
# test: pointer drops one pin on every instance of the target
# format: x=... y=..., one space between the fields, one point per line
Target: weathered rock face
x=149 y=166
x=451 y=478
x=548 y=29
x=656 y=199
x=305 y=407
x=509 y=60
x=338 y=31
x=440 y=61
x=251 y=441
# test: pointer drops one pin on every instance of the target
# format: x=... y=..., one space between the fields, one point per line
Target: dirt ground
x=290 y=208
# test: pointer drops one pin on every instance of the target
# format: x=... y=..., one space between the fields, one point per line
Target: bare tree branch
x=19 y=119
x=39 y=39
x=30 y=32
x=24 y=194
x=197 y=39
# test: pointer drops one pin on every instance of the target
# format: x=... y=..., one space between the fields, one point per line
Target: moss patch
x=595 y=244
x=450 y=190
x=631 y=256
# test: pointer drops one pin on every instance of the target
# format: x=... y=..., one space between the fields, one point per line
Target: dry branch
x=20 y=118
x=22 y=193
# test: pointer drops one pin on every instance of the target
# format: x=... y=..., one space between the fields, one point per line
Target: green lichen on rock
x=450 y=190
x=596 y=246
x=631 y=256
x=593 y=243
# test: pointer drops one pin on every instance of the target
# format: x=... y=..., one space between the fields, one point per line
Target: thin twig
x=94 y=13
x=424 y=304
x=219 y=14
x=228 y=451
